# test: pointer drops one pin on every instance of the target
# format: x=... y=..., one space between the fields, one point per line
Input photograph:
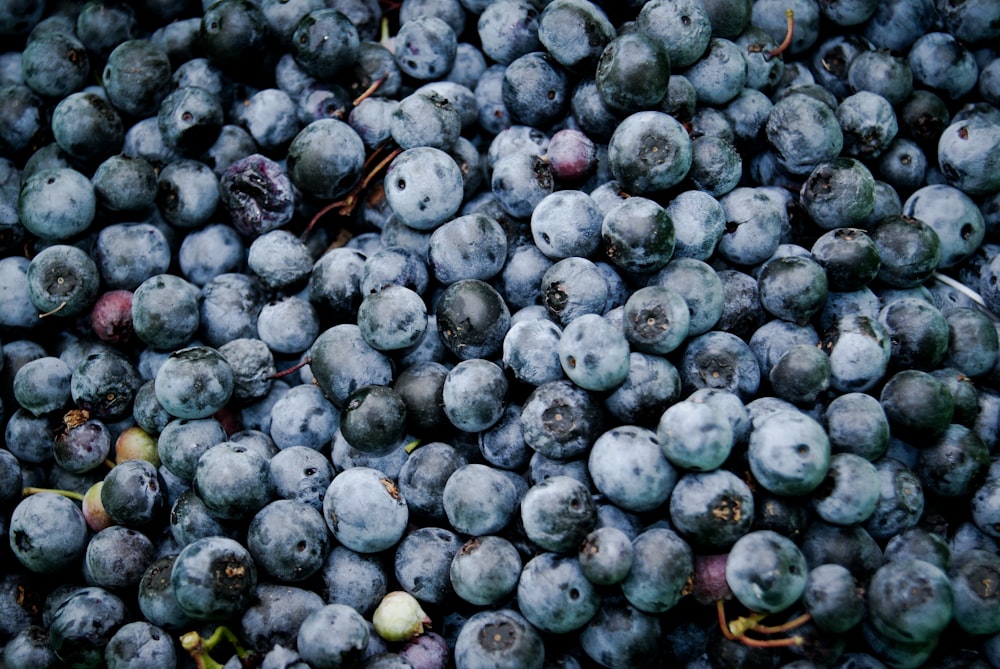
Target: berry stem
x=31 y=490
x=53 y=311
x=720 y=608
x=291 y=370
x=784 y=627
x=368 y=92
x=789 y=32
x=737 y=629
x=199 y=647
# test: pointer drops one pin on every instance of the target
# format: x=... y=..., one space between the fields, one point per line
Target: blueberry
x=47 y=533
x=423 y=562
x=288 y=540
x=712 y=509
x=213 y=578
x=165 y=311
x=342 y=362
x=693 y=436
x=638 y=235
x=394 y=264
x=83 y=624
x=125 y=183
x=156 y=596
x=191 y=520
x=628 y=467
x=973 y=610
x=235 y=33
x=182 y=442
x=849 y=493
x=470 y=63
x=354 y=579
x=535 y=89
x=720 y=74
x=105 y=383
x=901 y=500
x=373 y=419
x=554 y=595
x=508 y=29
x=479 y=500
x=558 y=513
x=42 y=386
x=625 y=60
x=941 y=63
x=719 y=360
x=649 y=152
x=966 y=155
x=252 y=364
x=473 y=394
x=425 y=119
x=233 y=481
x=187 y=193
x=661 y=567
x=860 y=349
x=848 y=256
x=520 y=181
x=593 y=115
x=789 y=453
x=574 y=287
x=257 y=194
x=552 y=233
x=472 y=319
x=133 y=494
x=485 y=570
x=355 y=498
x=194 y=382
x=301 y=474
x=82 y=447
x=501 y=639
x=793 y=288
x=426 y=47
x=325 y=43
x=839 y=194
x=803 y=132
x=493 y=115
x=833 y=598
x=57 y=204
x=325 y=159
x=594 y=353
x=766 y=571
x=652 y=384
x=904 y=613
x=117 y=557
x=423 y=187
x=272 y=621
x=868 y=123
x=954 y=463
x=621 y=636
x=335 y=282
x=698 y=221
x=87 y=127
x=964 y=323
x=155 y=647
x=919 y=333
x=54 y=64
x=753 y=224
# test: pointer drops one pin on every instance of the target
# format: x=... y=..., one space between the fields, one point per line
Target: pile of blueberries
x=497 y=334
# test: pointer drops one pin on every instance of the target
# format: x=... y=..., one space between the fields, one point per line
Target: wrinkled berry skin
x=258 y=195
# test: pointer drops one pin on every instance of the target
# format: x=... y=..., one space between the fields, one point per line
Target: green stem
x=31 y=490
